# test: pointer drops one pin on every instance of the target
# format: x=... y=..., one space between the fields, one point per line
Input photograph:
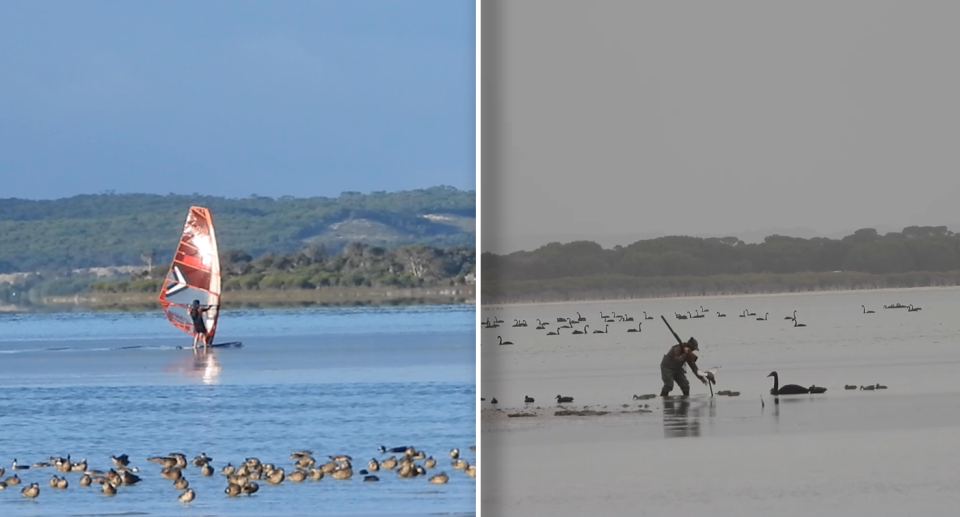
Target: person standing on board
x=199 y=327
x=671 y=367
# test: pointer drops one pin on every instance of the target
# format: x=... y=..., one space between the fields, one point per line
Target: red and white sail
x=194 y=274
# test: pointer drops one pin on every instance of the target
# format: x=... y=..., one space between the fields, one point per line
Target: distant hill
x=118 y=229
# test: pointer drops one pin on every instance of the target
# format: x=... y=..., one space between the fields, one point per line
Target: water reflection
x=202 y=364
x=682 y=415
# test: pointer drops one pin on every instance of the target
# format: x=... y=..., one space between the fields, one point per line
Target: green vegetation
x=670 y=266
x=58 y=236
x=358 y=274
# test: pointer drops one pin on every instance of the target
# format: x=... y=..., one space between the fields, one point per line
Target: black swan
x=585 y=327
x=865 y=311
x=638 y=329
x=502 y=342
x=788 y=389
x=647 y=317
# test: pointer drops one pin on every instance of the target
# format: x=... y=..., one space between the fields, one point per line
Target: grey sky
x=633 y=119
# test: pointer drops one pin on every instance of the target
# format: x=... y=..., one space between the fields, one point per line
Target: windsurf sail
x=194 y=274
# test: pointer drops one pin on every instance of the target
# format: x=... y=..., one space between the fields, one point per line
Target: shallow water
x=845 y=452
x=335 y=381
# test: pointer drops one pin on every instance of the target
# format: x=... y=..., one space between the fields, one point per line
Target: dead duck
x=181 y=459
x=341 y=474
x=171 y=473
x=32 y=490
x=439 y=479
x=181 y=484
x=200 y=460
x=206 y=470
x=275 y=477
x=187 y=496
x=129 y=478
x=233 y=490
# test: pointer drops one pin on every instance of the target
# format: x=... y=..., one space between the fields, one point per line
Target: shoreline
x=486 y=306
x=333 y=297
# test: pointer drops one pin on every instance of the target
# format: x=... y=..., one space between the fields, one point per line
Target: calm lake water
x=334 y=381
x=845 y=452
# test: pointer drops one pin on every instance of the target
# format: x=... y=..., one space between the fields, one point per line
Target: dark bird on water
x=493 y=400
x=502 y=342
x=564 y=399
x=817 y=389
x=527 y=399
x=787 y=389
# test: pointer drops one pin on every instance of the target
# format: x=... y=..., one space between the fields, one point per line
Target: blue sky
x=233 y=98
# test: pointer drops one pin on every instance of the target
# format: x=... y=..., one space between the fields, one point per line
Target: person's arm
x=692 y=361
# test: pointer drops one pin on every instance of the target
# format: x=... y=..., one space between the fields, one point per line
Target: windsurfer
x=200 y=328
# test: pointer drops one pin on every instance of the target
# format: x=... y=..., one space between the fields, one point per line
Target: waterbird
x=606 y=328
x=585 y=327
x=502 y=342
x=32 y=490
x=561 y=399
x=879 y=387
x=817 y=389
x=187 y=496
x=181 y=484
x=647 y=317
x=849 y=387
x=911 y=308
x=370 y=479
x=795 y=324
x=764 y=318
x=232 y=490
x=751 y=313
x=439 y=479
x=794 y=317
x=493 y=400
x=868 y=388
x=638 y=329
x=721 y=315
x=393 y=449
x=788 y=389
x=865 y=311
x=249 y=488
x=429 y=462
x=527 y=399
x=121 y=461
x=15 y=466
x=107 y=489
x=454 y=453
x=206 y=470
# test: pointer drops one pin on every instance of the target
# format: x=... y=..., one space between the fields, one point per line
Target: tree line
x=356 y=265
x=693 y=265
x=119 y=229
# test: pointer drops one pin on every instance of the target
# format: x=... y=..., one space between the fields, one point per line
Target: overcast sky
x=236 y=97
x=615 y=120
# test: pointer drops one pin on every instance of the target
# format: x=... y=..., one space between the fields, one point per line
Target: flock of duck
x=241 y=478
x=701 y=312
x=613 y=317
